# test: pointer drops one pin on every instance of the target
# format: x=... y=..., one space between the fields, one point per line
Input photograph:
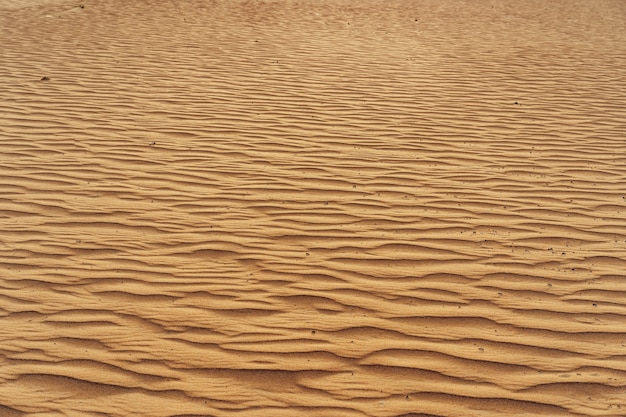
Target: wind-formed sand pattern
x=313 y=208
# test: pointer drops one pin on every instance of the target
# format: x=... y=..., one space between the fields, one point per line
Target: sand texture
x=313 y=208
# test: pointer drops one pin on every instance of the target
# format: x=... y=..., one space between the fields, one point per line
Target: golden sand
x=313 y=208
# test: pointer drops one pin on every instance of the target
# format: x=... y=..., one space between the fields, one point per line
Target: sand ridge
x=313 y=208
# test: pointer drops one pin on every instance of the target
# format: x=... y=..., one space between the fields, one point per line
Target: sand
x=313 y=208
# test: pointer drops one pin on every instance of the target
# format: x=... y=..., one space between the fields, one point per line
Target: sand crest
x=313 y=208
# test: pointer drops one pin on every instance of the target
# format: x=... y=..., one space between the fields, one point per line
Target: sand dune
x=315 y=208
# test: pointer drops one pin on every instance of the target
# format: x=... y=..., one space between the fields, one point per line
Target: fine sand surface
x=313 y=208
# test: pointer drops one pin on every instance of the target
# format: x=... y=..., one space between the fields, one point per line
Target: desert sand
x=313 y=208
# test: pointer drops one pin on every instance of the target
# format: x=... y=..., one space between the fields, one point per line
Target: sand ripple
x=329 y=208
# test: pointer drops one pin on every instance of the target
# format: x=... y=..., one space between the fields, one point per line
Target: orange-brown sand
x=313 y=208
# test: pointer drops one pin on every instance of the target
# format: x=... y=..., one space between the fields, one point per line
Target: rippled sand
x=313 y=208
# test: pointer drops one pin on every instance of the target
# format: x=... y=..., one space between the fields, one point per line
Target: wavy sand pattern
x=315 y=208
